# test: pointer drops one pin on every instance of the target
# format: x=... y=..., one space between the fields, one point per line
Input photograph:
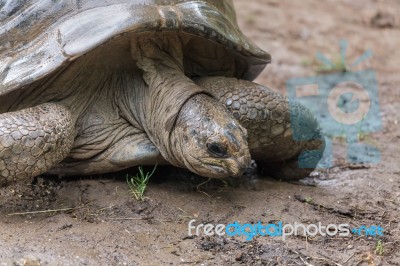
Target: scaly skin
x=154 y=115
x=33 y=140
x=267 y=117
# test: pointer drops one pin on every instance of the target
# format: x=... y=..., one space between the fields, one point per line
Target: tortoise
x=97 y=86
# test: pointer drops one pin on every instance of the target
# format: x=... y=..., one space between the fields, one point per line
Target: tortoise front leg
x=268 y=118
x=33 y=140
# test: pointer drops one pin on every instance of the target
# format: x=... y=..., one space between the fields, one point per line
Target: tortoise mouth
x=219 y=168
x=231 y=167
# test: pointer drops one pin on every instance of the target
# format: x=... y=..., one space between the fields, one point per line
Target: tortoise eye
x=217 y=149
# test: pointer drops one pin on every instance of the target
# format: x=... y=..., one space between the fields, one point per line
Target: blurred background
x=294 y=31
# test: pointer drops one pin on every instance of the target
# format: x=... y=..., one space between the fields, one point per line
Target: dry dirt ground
x=98 y=222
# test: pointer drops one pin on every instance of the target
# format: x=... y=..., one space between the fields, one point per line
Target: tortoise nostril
x=241 y=164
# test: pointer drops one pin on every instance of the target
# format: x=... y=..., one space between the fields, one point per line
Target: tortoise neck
x=160 y=59
x=155 y=108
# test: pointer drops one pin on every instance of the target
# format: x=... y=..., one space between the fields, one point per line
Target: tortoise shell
x=39 y=37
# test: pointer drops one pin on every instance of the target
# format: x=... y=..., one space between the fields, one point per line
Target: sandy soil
x=98 y=222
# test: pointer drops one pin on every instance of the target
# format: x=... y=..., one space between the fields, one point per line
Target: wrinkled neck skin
x=155 y=110
x=182 y=125
x=160 y=57
x=189 y=127
x=157 y=106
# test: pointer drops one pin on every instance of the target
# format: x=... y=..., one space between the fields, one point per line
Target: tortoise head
x=210 y=141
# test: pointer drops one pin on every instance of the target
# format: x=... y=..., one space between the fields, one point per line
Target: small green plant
x=138 y=183
x=379 y=248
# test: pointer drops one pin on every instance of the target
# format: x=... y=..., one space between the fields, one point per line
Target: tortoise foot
x=33 y=140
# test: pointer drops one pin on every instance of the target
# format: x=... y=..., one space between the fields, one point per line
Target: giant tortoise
x=96 y=86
